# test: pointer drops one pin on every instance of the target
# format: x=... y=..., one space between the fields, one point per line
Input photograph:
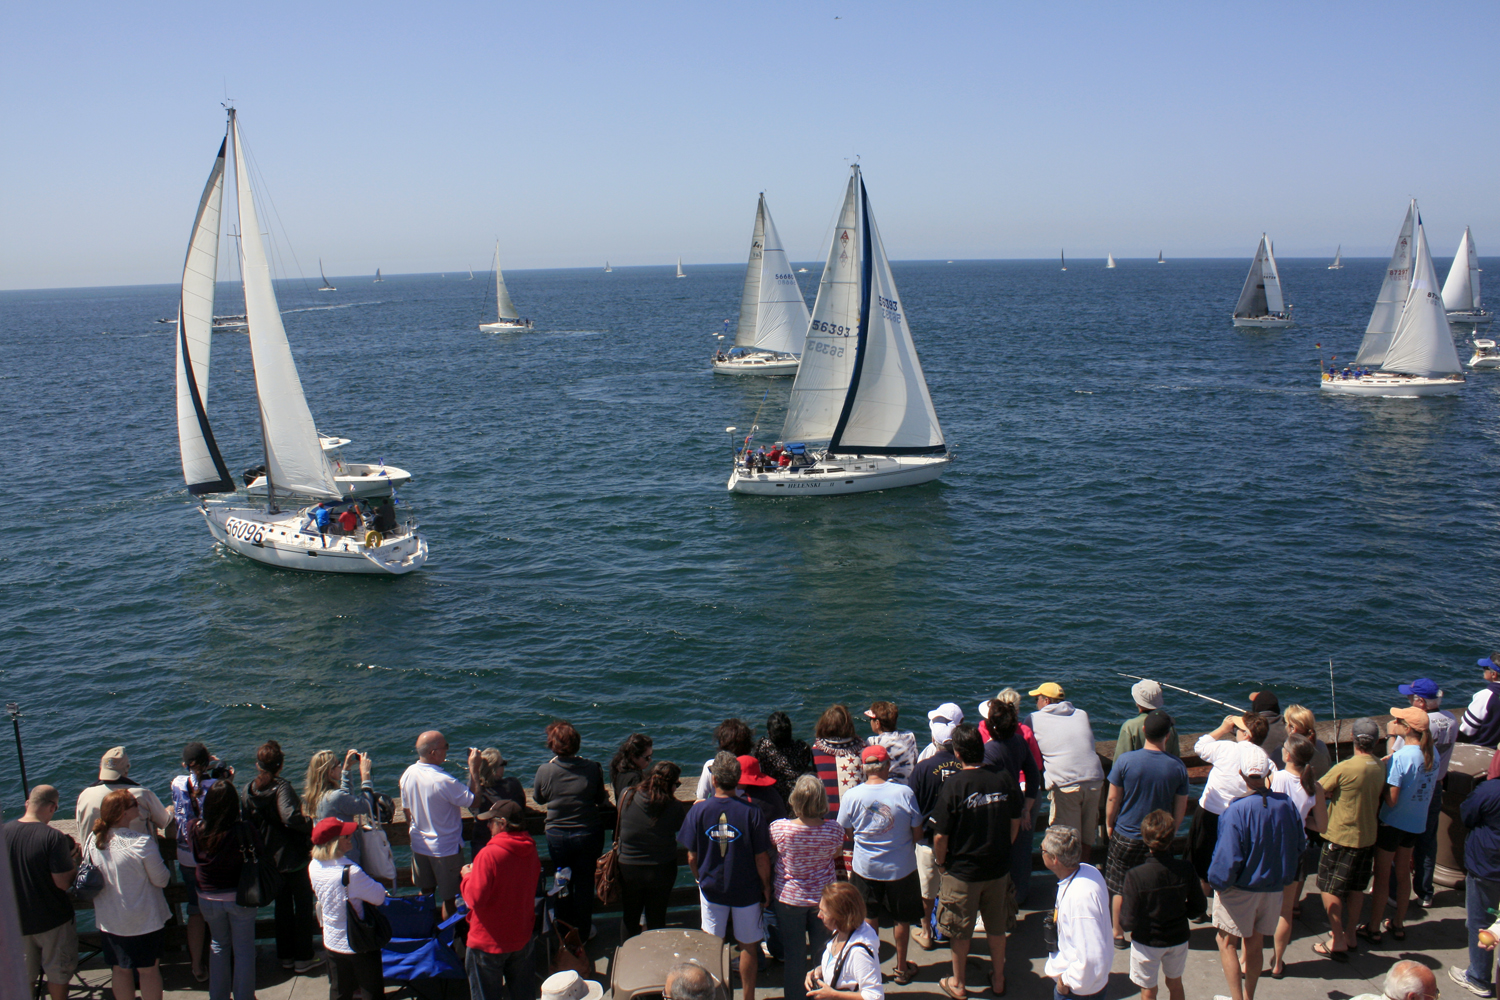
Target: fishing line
x=1184 y=690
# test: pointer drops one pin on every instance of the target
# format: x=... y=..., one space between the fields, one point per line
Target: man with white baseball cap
x=941 y=721
x=114 y=772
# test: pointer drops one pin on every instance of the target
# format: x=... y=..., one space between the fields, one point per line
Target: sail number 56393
x=823 y=347
x=833 y=329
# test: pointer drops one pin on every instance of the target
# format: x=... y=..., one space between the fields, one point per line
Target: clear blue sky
x=410 y=136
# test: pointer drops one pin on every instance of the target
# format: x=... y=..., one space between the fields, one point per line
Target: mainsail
x=294 y=457
x=1392 y=298
x=1338 y=258
x=1110 y=262
x=860 y=386
x=502 y=294
x=1461 y=290
x=744 y=334
x=202 y=466
x=1422 y=343
x=1261 y=295
x=773 y=313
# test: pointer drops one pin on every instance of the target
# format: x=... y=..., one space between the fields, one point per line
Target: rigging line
x=1333 y=699
x=1184 y=690
x=258 y=183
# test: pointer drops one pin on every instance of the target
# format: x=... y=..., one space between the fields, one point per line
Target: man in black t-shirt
x=925 y=782
x=975 y=821
x=42 y=865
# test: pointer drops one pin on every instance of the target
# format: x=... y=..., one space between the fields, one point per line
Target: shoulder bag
x=607 y=868
x=367 y=933
x=89 y=881
x=260 y=882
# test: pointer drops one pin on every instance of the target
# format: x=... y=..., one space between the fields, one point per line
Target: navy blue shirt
x=1148 y=779
x=725 y=835
x=1480 y=812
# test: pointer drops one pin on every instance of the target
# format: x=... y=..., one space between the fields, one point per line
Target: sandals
x=957 y=993
x=902 y=976
x=1363 y=930
x=1321 y=948
x=1395 y=930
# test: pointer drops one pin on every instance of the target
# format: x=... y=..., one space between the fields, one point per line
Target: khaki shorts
x=1243 y=913
x=54 y=952
x=439 y=875
x=927 y=872
x=960 y=902
x=1077 y=806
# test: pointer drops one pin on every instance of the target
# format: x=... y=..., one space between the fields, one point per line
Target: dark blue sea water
x=1139 y=488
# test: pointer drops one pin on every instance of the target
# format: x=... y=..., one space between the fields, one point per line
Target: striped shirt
x=804 y=860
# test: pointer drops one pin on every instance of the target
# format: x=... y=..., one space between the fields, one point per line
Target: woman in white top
x=1296 y=783
x=347 y=970
x=131 y=911
x=1224 y=784
x=850 y=969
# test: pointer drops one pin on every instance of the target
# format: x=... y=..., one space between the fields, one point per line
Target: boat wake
x=341 y=305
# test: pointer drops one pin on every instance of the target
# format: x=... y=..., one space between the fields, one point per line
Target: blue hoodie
x=1260 y=840
x=1480 y=812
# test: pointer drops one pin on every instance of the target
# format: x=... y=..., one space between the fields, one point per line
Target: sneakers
x=306 y=966
x=1426 y=901
x=1461 y=977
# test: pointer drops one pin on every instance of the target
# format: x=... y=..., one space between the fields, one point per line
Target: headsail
x=1338 y=258
x=294 y=457
x=202 y=466
x=1461 y=290
x=781 y=315
x=1261 y=295
x=1423 y=343
x=744 y=334
x=506 y=307
x=1392 y=298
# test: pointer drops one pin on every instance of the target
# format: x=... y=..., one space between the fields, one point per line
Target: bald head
x=41 y=803
x=1410 y=981
x=432 y=747
x=690 y=981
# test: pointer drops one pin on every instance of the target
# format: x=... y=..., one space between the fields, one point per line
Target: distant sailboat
x=773 y=313
x=1461 y=290
x=679 y=268
x=1110 y=262
x=1159 y=258
x=1338 y=259
x=1417 y=358
x=1261 y=304
x=378 y=278
x=607 y=268
x=860 y=388
x=326 y=286
x=508 y=318
x=1064 y=254
x=471 y=270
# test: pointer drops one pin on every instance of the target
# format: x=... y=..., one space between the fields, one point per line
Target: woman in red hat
x=340 y=884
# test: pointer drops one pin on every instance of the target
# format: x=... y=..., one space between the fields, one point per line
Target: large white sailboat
x=508 y=318
x=1417 y=356
x=337 y=535
x=1461 y=290
x=773 y=313
x=1338 y=259
x=860 y=417
x=1261 y=304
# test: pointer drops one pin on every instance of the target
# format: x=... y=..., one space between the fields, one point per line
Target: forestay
x=1261 y=295
x=202 y=466
x=1392 y=298
x=1461 y=290
x=294 y=457
x=1423 y=343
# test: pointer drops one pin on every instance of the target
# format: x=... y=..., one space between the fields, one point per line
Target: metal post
x=14 y=711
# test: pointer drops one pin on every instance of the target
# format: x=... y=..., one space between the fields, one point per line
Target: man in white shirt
x=432 y=799
x=1082 y=953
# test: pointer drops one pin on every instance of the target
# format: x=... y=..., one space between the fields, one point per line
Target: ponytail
x=1299 y=751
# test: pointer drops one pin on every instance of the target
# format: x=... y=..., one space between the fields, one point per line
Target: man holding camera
x=432 y=799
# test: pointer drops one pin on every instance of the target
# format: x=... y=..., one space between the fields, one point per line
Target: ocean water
x=1139 y=488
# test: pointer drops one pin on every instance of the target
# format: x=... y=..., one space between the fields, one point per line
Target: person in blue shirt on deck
x=1480 y=813
x=1140 y=782
x=1411 y=776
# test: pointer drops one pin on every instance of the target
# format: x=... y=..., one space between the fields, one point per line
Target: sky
x=411 y=137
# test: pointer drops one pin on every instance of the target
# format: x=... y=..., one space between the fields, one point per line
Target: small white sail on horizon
x=1261 y=304
x=773 y=314
x=1064 y=254
x=1109 y=260
x=378 y=278
x=1461 y=290
x=1159 y=258
x=1392 y=297
x=326 y=287
x=1338 y=259
x=607 y=268
x=507 y=316
x=679 y=268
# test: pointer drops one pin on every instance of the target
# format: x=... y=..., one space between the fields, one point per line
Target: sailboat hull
x=507 y=326
x=1264 y=322
x=837 y=476
x=279 y=540
x=1473 y=318
x=1384 y=384
x=758 y=363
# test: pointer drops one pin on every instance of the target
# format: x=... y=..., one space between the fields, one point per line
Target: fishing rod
x=1333 y=698
x=1184 y=690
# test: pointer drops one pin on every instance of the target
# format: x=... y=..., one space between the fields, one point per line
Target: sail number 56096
x=246 y=531
x=833 y=329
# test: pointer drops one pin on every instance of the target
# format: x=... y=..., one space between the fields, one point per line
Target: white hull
x=1472 y=318
x=355 y=479
x=1264 y=322
x=280 y=540
x=507 y=326
x=1485 y=361
x=1383 y=384
x=831 y=477
x=758 y=364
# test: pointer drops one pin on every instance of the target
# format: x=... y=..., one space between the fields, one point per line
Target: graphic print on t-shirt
x=723 y=833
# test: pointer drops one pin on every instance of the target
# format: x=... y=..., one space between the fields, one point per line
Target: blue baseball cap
x=1488 y=662
x=1421 y=687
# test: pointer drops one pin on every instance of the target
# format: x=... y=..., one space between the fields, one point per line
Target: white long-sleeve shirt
x=1224 y=783
x=327 y=879
x=1085 y=937
x=134 y=874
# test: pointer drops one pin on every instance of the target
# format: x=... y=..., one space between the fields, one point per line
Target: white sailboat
x=378 y=278
x=1418 y=358
x=1064 y=254
x=1338 y=259
x=1261 y=305
x=354 y=479
x=679 y=268
x=860 y=393
x=1159 y=258
x=1461 y=290
x=773 y=313
x=337 y=535
x=508 y=318
x=326 y=287
x=471 y=275
x=607 y=268
x=1110 y=260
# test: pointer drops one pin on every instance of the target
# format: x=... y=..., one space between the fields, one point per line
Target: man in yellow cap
x=1070 y=765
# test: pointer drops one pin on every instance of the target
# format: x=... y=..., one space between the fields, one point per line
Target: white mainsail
x=773 y=313
x=1461 y=290
x=679 y=268
x=378 y=278
x=1338 y=258
x=860 y=386
x=1392 y=298
x=1422 y=343
x=1261 y=295
x=295 y=460
x=202 y=466
x=1110 y=262
x=326 y=287
x=506 y=307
